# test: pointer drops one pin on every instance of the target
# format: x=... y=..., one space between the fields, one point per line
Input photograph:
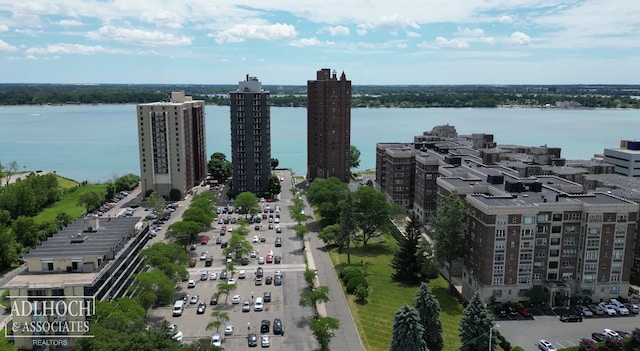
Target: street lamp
x=491 y=334
x=248 y=327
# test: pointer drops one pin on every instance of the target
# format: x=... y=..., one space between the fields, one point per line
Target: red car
x=269 y=258
x=524 y=312
x=204 y=240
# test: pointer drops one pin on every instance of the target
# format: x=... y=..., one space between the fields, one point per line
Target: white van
x=178 y=307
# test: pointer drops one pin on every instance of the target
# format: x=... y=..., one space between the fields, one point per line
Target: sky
x=374 y=42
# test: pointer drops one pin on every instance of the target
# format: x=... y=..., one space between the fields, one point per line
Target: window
x=568 y=264
x=595 y=218
x=524 y=280
x=569 y=253
x=554 y=253
x=567 y=276
x=541 y=241
x=497 y=281
x=524 y=268
x=573 y=216
x=514 y=219
x=537 y=276
x=591 y=255
x=570 y=241
x=526 y=244
x=500 y=233
x=526 y=232
x=590 y=267
x=621 y=231
x=498 y=269
x=541 y=253
x=618 y=254
x=616 y=267
x=622 y=218
x=553 y=265
x=529 y=220
x=526 y=256
x=618 y=243
x=543 y=217
x=616 y=277
x=615 y=289
x=500 y=245
x=592 y=243
x=556 y=229
x=499 y=257
x=554 y=241
x=557 y=217
x=501 y=220
x=497 y=293
x=594 y=231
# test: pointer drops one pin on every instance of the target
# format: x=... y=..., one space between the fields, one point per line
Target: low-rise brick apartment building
x=536 y=219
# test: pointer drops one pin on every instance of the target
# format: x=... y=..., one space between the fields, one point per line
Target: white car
x=608 y=309
x=228 y=330
x=255 y=239
x=213 y=276
x=231 y=281
x=178 y=337
x=203 y=256
x=545 y=345
x=236 y=299
x=194 y=299
x=265 y=342
x=260 y=260
x=253 y=254
x=611 y=334
x=242 y=274
x=623 y=311
x=216 y=339
x=192 y=283
x=586 y=311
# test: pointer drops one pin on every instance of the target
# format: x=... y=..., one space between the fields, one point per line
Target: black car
x=277 y=259
x=259 y=272
x=278 y=241
x=252 y=340
x=218 y=241
x=266 y=296
x=511 y=311
x=193 y=246
x=223 y=275
x=268 y=280
x=277 y=327
x=244 y=261
x=201 y=308
x=598 y=337
x=214 y=300
x=571 y=318
x=277 y=280
x=223 y=245
x=265 y=326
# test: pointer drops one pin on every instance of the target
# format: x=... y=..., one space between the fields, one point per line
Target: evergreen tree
x=406 y=263
x=407 y=331
x=429 y=309
x=475 y=326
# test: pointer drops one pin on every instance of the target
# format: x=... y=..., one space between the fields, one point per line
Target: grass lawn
x=69 y=202
x=374 y=320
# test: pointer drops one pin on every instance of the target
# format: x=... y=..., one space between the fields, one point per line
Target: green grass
x=374 y=319
x=69 y=202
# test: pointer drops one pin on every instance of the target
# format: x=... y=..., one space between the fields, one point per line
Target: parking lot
x=284 y=298
x=546 y=325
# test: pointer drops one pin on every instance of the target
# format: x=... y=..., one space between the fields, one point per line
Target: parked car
x=246 y=306
x=216 y=339
x=633 y=308
x=194 y=299
x=266 y=341
x=277 y=327
x=278 y=241
x=191 y=284
x=266 y=296
x=511 y=311
x=208 y=262
x=201 y=308
x=204 y=275
x=608 y=309
x=598 y=337
x=223 y=275
x=252 y=340
x=242 y=274
x=258 y=306
x=214 y=300
x=204 y=240
x=265 y=326
x=611 y=334
x=213 y=276
x=228 y=330
x=585 y=311
x=524 y=312
x=545 y=345
x=203 y=256
x=277 y=280
x=235 y=300
x=277 y=259
x=268 y=280
x=570 y=318
x=596 y=310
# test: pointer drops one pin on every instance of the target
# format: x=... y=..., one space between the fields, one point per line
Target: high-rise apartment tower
x=329 y=126
x=250 y=137
x=172 y=145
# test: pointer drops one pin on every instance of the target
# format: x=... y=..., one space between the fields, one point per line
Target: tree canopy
x=407 y=331
x=428 y=309
x=476 y=326
x=406 y=262
x=449 y=226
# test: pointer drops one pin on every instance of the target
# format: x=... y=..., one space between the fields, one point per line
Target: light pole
x=491 y=335
x=248 y=327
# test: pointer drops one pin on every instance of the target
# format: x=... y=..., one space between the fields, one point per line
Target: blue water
x=99 y=142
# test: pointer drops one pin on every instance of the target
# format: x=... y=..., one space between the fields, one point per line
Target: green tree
x=428 y=309
x=152 y=287
x=354 y=154
x=301 y=232
x=449 y=225
x=199 y=215
x=226 y=289
x=348 y=227
x=24 y=229
x=155 y=202
x=428 y=265
x=324 y=195
x=238 y=246
x=311 y=297
x=613 y=344
x=296 y=210
x=310 y=276
x=362 y=293
x=5 y=344
x=123 y=315
x=169 y=258
x=370 y=211
x=63 y=219
x=9 y=248
x=90 y=200
x=219 y=318
x=323 y=330
x=330 y=234
x=538 y=295
x=274 y=186
x=184 y=232
x=407 y=331
x=219 y=167
x=274 y=163
x=247 y=202
x=475 y=326
x=406 y=262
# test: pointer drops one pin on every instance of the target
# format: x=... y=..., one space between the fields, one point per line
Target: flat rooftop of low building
x=51 y=280
x=68 y=241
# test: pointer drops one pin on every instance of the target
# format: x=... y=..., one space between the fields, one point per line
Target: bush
x=349 y=268
x=174 y=195
x=353 y=283
x=350 y=275
x=362 y=292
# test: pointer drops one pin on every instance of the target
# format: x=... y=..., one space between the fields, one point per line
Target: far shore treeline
x=363 y=96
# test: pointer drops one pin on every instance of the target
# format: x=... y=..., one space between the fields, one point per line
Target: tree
x=475 y=326
x=538 y=295
x=301 y=232
x=324 y=195
x=274 y=186
x=90 y=200
x=428 y=265
x=274 y=163
x=330 y=234
x=155 y=202
x=587 y=345
x=407 y=333
x=354 y=154
x=169 y=258
x=310 y=276
x=370 y=211
x=362 y=293
x=238 y=245
x=9 y=172
x=63 y=219
x=449 y=225
x=219 y=318
x=247 y=202
x=613 y=344
x=405 y=262
x=311 y=297
x=184 y=232
x=199 y=215
x=322 y=329
x=348 y=227
x=124 y=315
x=219 y=168
x=226 y=289
x=428 y=309
x=24 y=229
x=9 y=248
x=152 y=287
x=296 y=210
x=200 y=345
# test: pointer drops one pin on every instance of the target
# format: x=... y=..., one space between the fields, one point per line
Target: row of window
x=558 y=217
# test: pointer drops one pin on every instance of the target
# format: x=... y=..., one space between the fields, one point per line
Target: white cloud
x=455 y=43
x=73 y=49
x=505 y=19
x=391 y=22
x=69 y=23
x=305 y=42
x=4 y=28
x=335 y=30
x=242 y=32
x=138 y=36
x=6 y=47
x=411 y=34
x=518 y=39
x=468 y=32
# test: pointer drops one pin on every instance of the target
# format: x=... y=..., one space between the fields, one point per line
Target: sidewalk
x=346 y=338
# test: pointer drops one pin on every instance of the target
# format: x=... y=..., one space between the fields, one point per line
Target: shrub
x=350 y=275
x=348 y=268
x=362 y=292
x=174 y=195
x=353 y=283
x=587 y=345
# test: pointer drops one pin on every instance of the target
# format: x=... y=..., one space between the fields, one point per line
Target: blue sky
x=285 y=42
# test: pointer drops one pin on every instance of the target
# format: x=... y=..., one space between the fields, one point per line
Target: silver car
x=246 y=306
